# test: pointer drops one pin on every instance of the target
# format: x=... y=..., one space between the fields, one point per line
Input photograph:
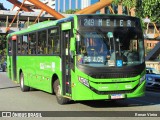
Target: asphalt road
x=12 y=99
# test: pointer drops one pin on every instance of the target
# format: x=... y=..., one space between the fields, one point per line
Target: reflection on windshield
x=98 y=49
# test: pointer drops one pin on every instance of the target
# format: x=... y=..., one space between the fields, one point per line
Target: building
x=150 y=44
x=86 y=3
x=64 y=5
x=153 y=64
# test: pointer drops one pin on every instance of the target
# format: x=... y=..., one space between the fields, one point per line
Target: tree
x=2 y=48
x=2 y=7
x=142 y=8
x=149 y=8
x=70 y=11
x=129 y=4
x=2 y=42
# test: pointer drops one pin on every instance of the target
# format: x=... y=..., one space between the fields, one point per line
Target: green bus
x=81 y=57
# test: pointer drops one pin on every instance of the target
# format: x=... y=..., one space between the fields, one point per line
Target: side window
x=32 y=43
x=25 y=44
x=19 y=44
x=42 y=42
x=53 y=41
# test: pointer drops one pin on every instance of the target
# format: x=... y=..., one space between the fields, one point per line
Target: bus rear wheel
x=23 y=87
x=57 y=90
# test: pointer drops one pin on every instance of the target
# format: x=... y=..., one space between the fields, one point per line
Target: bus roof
x=45 y=24
x=35 y=27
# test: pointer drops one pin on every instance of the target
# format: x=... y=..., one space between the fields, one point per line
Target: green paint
x=38 y=70
x=66 y=26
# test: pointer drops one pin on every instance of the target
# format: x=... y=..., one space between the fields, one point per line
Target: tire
x=57 y=90
x=23 y=87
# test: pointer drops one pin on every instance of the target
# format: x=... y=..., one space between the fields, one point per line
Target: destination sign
x=107 y=22
x=97 y=59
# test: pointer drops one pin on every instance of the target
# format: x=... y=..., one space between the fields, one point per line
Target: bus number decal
x=44 y=66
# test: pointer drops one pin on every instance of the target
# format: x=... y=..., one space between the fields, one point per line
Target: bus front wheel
x=23 y=87
x=57 y=90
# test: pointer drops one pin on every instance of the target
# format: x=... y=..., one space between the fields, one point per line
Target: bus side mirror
x=72 y=44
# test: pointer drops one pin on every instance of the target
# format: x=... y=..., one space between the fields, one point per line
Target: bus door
x=12 y=57
x=66 y=59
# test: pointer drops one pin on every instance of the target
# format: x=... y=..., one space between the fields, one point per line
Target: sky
x=7 y=4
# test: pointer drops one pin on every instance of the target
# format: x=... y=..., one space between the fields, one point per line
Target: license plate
x=117 y=96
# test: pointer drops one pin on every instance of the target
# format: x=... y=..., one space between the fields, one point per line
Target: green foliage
x=129 y=3
x=116 y=2
x=2 y=42
x=2 y=48
x=149 y=8
x=143 y=8
x=71 y=11
x=3 y=55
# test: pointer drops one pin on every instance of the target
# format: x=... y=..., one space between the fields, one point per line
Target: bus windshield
x=118 y=48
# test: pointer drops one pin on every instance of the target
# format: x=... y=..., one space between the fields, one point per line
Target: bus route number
x=98 y=59
x=88 y=22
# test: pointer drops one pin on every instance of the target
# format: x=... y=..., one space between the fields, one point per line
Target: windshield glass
x=120 y=47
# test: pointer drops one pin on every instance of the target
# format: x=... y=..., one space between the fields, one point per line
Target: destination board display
x=107 y=22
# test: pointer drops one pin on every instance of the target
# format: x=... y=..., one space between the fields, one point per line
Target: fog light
x=142 y=79
x=150 y=79
x=83 y=81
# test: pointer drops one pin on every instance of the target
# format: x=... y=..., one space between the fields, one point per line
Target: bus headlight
x=150 y=79
x=83 y=81
x=142 y=79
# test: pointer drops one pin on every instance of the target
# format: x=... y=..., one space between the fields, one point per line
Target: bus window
x=42 y=42
x=10 y=47
x=19 y=44
x=128 y=45
x=32 y=43
x=53 y=41
x=25 y=44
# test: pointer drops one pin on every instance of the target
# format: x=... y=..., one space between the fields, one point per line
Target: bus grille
x=113 y=92
x=113 y=75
